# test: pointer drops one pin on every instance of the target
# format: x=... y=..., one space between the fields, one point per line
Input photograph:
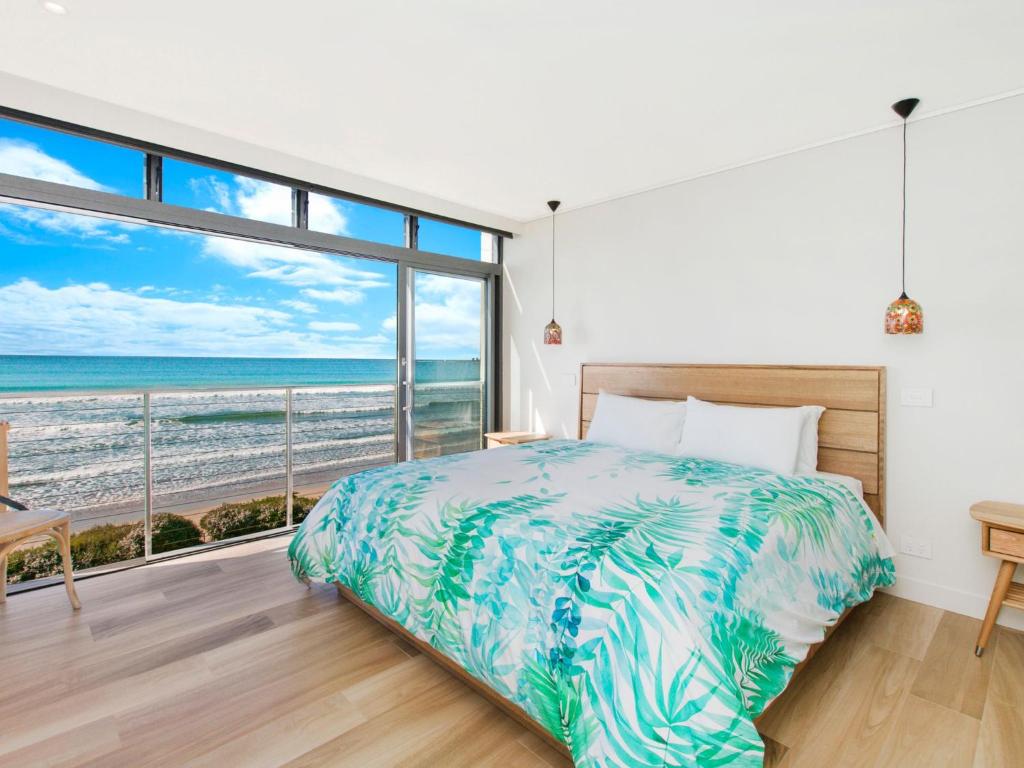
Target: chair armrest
x=17 y=505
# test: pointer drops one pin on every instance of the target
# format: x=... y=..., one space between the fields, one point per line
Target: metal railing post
x=289 y=481
x=147 y=459
x=4 y=477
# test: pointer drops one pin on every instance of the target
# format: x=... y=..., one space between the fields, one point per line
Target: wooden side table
x=1002 y=536
x=498 y=439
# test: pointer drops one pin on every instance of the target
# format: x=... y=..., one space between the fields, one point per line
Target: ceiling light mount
x=904 y=107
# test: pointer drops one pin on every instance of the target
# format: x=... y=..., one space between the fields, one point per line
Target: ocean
x=217 y=426
x=56 y=373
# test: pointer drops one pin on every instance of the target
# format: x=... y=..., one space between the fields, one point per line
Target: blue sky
x=72 y=284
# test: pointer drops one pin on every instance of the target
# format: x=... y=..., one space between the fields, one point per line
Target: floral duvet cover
x=644 y=608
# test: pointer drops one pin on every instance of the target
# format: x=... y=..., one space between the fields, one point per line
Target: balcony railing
x=147 y=474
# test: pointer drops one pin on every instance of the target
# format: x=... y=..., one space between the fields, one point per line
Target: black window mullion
x=300 y=208
x=412 y=231
x=153 y=178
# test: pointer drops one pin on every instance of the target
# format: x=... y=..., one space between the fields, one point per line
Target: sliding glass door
x=449 y=364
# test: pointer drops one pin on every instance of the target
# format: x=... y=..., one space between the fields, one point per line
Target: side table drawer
x=1006 y=542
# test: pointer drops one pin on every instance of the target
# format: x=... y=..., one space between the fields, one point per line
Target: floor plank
x=928 y=735
x=951 y=675
x=1001 y=740
x=774 y=753
x=788 y=718
x=285 y=737
x=901 y=625
x=223 y=659
x=539 y=747
x=857 y=714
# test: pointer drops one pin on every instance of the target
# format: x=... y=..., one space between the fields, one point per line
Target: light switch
x=570 y=379
x=916 y=397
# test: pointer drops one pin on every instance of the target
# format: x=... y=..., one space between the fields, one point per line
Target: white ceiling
x=502 y=105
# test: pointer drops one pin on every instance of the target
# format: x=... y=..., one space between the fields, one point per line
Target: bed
x=634 y=608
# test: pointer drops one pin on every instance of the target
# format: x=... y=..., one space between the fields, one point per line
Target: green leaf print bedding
x=644 y=608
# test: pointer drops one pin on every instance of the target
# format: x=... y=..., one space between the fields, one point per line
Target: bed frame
x=851 y=440
x=851 y=433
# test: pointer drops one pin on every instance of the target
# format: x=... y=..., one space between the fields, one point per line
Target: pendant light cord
x=552 y=265
x=903 y=226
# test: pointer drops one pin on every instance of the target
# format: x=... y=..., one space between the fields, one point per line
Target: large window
x=179 y=385
x=38 y=153
x=210 y=189
x=367 y=222
x=466 y=243
x=197 y=356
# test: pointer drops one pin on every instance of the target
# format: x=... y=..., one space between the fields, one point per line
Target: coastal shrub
x=33 y=563
x=97 y=546
x=240 y=518
x=302 y=506
x=170 y=532
x=116 y=542
x=92 y=547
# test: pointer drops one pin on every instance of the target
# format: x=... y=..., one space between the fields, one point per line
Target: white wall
x=794 y=260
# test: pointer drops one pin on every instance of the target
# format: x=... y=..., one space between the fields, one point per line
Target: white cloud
x=22 y=158
x=343 y=295
x=333 y=327
x=96 y=319
x=264 y=201
x=210 y=186
x=328 y=276
x=260 y=200
x=14 y=236
x=86 y=228
x=334 y=279
x=300 y=306
x=326 y=215
x=378 y=338
x=447 y=316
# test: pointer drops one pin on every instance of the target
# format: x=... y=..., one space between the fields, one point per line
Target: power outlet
x=915 y=547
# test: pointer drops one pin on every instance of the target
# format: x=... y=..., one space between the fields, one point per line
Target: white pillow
x=644 y=425
x=807 y=454
x=766 y=438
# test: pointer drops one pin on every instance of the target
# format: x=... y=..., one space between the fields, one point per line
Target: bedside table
x=1002 y=536
x=498 y=439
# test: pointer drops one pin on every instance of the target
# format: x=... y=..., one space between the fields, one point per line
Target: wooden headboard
x=851 y=433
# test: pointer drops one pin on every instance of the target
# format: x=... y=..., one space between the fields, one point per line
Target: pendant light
x=553 y=331
x=904 y=316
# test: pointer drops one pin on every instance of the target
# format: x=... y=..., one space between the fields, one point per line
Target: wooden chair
x=20 y=524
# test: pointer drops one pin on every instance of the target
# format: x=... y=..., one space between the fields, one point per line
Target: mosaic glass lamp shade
x=904 y=316
x=552 y=333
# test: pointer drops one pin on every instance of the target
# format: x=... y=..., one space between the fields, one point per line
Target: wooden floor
x=223 y=659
